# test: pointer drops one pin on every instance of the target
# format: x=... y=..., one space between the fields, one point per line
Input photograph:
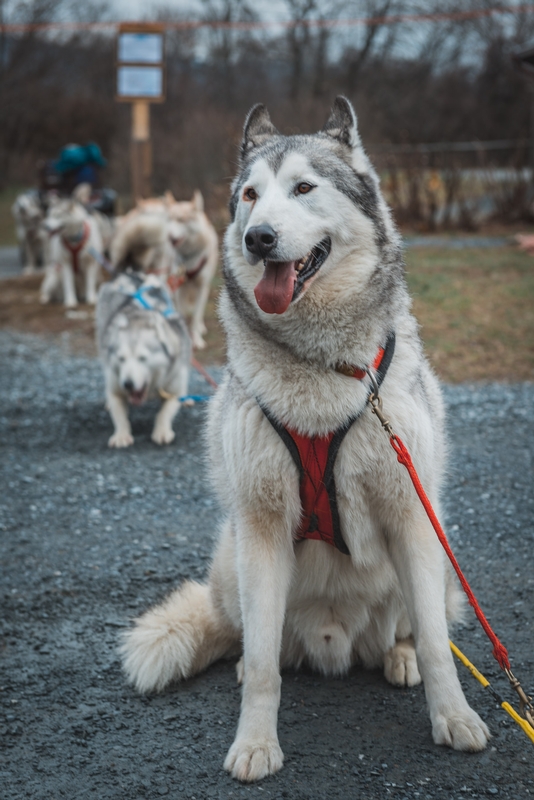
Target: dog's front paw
x=461 y=730
x=253 y=760
x=163 y=435
x=120 y=439
x=197 y=340
x=400 y=665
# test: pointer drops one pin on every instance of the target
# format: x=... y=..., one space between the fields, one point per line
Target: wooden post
x=141 y=150
x=140 y=76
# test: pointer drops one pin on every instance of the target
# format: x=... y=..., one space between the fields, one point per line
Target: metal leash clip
x=376 y=403
x=525 y=705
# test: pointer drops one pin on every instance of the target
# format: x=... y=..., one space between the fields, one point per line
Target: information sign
x=140 y=48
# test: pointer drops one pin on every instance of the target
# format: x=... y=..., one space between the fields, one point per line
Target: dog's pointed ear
x=341 y=124
x=198 y=201
x=258 y=129
x=168 y=198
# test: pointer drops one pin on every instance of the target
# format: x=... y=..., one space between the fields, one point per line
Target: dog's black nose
x=261 y=240
x=128 y=385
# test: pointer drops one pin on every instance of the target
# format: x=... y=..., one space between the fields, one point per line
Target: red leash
x=204 y=373
x=403 y=456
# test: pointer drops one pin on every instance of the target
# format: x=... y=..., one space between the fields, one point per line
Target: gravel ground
x=90 y=537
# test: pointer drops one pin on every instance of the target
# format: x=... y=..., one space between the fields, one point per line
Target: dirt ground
x=475 y=307
x=90 y=537
x=21 y=310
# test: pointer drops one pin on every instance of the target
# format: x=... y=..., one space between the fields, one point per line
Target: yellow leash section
x=523 y=723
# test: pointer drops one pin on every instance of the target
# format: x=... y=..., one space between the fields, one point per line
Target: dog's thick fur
x=65 y=223
x=165 y=236
x=388 y=603
x=144 y=354
x=29 y=211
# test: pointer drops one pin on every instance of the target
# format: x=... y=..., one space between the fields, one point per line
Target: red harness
x=175 y=281
x=315 y=457
x=74 y=248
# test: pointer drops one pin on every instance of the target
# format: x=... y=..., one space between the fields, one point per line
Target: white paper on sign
x=146 y=48
x=139 y=81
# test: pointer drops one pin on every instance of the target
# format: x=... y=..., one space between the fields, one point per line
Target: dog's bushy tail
x=176 y=639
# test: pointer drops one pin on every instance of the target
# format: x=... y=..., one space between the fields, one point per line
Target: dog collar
x=380 y=363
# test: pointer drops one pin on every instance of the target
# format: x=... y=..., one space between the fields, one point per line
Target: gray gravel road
x=91 y=537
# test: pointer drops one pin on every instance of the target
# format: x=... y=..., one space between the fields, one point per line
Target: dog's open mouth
x=138 y=396
x=283 y=281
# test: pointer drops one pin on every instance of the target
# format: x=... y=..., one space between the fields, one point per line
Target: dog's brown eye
x=250 y=194
x=304 y=188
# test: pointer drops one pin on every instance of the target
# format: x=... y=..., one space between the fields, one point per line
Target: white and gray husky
x=175 y=240
x=74 y=254
x=347 y=569
x=145 y=350
x=29 y=210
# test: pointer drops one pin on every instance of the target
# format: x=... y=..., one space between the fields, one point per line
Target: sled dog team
x=164 y=255
x=75 y=244
x=324 y=554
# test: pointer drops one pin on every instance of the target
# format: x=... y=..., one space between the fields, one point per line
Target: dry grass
x=8 y=196
x=476 y=309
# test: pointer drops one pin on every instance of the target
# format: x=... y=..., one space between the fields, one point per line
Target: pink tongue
x=274 y=291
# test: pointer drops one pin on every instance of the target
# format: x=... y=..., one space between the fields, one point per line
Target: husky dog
x=145 y=242
x=83 y=193
x=175 y=239
x=315 y=293
x=29 y=211
x=145 y=350
x=75 y=251
x=198 y=250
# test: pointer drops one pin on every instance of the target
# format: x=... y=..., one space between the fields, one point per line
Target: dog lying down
x=145 y=350
x=325 y=555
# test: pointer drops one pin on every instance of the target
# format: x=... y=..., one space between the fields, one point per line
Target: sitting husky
x=145 y=350
x=75 y=253
x=326 y=555
x=29 y=211
x=175 y=239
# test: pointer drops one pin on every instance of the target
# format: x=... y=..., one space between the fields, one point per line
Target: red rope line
x=391 y=19
x=499 y=650
x=204 y=373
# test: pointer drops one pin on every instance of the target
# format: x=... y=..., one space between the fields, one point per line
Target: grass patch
x=475 y=307
x=476 y=310
x=8 y=234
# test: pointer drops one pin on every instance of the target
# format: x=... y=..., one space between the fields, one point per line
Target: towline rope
x=528 y=729
x=499 y=650
x=205 y=374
